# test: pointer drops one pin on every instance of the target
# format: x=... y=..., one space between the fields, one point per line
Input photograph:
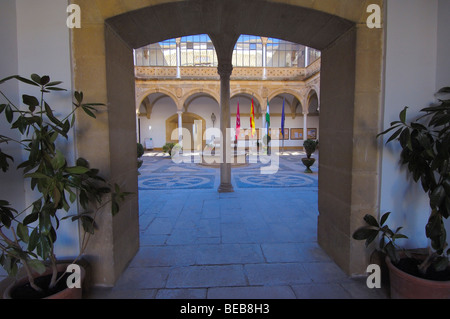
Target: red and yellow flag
x=238 y=122
x=252 y=119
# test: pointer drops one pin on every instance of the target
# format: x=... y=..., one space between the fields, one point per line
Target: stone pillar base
x=225 y=188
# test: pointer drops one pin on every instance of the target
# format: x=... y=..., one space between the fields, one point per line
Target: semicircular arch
x=140 y=98
x=237 y=91
x=204 y=91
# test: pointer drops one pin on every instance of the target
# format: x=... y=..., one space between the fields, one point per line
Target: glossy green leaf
x=36 y=78
x=9 y=113
x=77 y=170
x=384 y=218
x=402 y=115
x=45 y=223
x=88 y=112
x=37 y=265
x=31 y=218
x=369 y=219
x=364 y=233
x=58 y=161
x=22 y=232
x=437 y=196
x=44 y=80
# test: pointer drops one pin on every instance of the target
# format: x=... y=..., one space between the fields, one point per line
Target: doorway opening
x=345 y=130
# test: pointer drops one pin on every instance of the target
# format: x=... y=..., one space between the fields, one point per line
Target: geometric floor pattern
x=259 y=242
x=161 y=173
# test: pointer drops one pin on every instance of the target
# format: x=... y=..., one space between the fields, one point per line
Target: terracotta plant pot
x=67 y=293
x=406 y=286
x=308 y=162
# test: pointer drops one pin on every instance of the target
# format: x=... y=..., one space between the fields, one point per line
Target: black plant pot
x=308 y=162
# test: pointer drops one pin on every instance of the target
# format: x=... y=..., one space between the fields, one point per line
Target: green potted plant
x=28 y=237
x=140 y=153
x=425 y=152
x=168 y=147
x=310 y=146
x=266 y=143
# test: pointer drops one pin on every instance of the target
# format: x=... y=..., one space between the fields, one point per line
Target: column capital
x=225 y=69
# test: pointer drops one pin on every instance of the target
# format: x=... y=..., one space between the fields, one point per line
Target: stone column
x=306 y=56
x=264 y=56
x=224 y=70
x=178 y=41
x=180 y=127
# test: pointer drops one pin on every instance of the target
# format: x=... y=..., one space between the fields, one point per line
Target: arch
x=294 y=93
x=309 y=97
x=148 y=104
x=330 y=26
x=205 y=91
x=140 y=98
x=292 y=106
x=240 y=90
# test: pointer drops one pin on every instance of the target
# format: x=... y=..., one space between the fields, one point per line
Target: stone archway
x=350 y=101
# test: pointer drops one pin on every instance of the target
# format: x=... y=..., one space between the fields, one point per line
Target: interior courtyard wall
x=42 y=48
x=13 y=191
x=161 y=111
x=413 y=30
x=204 y=106
x=443 y=45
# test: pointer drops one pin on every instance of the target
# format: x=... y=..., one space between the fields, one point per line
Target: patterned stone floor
x=257 y=242
x=159 y=172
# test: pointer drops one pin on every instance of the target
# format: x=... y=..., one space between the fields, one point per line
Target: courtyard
x=259 y=241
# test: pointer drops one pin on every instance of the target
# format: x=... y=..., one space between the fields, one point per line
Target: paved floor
x=257 y=242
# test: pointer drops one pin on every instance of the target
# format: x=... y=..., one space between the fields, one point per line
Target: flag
x=238 y=122
x=252 y=119
x=267 y=116
x=282 y=120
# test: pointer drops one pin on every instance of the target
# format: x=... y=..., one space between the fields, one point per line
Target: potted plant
x=310 y=146
x=266 y=143
x=28 y=237
x=140 y=153
x=425 y=145
x=168 y=147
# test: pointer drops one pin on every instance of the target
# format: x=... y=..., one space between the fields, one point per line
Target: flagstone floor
x=257 y=242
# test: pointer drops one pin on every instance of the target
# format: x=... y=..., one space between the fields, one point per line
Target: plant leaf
x=77 y=170
x=37 y=266
x=402 y=115
x=437 y=196
x=364 y=233
x=369 y=219
x=384 y=218
x=9 y=113
x=22 y=232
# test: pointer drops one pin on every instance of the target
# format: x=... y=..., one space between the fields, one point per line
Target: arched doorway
x=350 y=83
x=194 y=124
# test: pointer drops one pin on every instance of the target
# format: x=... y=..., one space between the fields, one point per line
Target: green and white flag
x=267 y=116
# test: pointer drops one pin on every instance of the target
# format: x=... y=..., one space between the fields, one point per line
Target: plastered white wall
x=43 y=47
x=415 y=51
